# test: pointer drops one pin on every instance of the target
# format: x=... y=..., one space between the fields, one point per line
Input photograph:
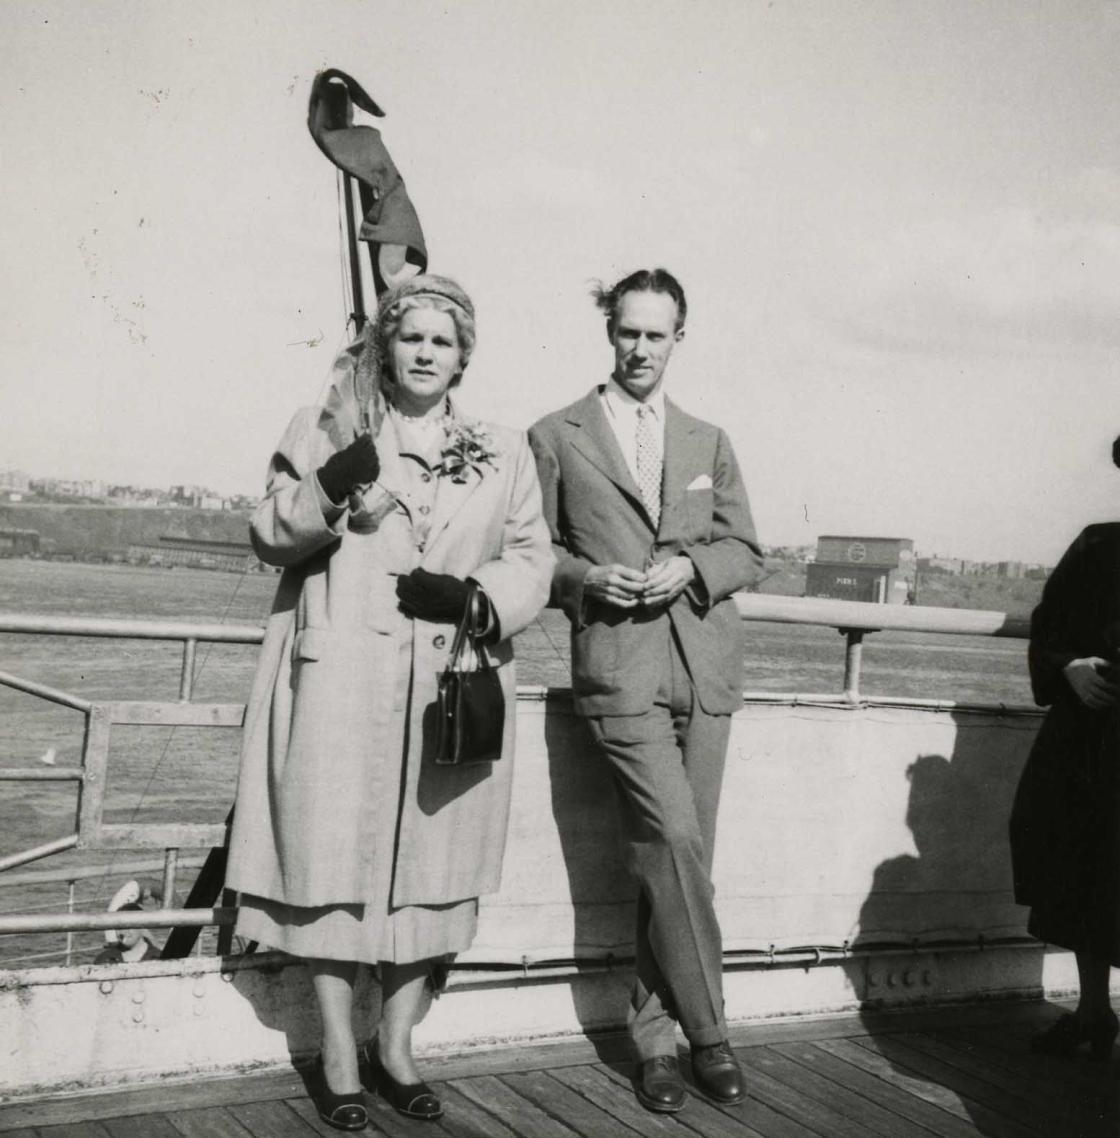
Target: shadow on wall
x=956 y=887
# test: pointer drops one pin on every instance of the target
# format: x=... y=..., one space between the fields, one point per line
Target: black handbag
x=470 y=706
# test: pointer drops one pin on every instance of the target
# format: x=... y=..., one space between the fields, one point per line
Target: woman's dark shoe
x=1066 y=1035
x=660 y=1086
x=343 y=1112
x=413 y=1100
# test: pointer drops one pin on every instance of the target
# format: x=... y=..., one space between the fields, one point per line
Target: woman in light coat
x=349 y=844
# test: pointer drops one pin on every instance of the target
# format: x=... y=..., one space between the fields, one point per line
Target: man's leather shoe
x=660 y=1086
x=718 y=1074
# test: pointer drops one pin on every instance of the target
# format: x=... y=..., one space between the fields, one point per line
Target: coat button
x=425 y=509
x=425 y=476
x=439 y=641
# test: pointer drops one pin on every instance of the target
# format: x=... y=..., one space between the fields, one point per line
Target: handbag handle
x=470 y=627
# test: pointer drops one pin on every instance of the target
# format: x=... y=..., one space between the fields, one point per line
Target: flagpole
x=359 y=314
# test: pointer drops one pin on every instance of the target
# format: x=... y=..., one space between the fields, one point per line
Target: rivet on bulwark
x=227 y=977
x=105 y=987
x=138 y=1015
x=199 y=989
x=139 y=997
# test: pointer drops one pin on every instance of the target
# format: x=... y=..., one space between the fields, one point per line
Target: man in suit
x=652 y=533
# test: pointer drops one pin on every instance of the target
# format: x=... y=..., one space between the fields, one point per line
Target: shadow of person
x=956 y=890
x=601 y=889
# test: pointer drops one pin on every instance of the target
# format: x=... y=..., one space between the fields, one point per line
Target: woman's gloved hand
x=356 y=465
x=432 y=596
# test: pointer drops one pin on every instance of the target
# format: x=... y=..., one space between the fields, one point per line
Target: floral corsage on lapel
x=467 y=446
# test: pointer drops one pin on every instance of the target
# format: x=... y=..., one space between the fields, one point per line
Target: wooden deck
x=948 y=1073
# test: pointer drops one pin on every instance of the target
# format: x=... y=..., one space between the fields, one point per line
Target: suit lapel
x=597 y=443
x=677 y=470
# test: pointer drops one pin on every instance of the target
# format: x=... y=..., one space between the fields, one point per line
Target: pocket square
x=700 y=482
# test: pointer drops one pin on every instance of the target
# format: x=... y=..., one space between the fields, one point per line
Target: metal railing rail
x=854 y=620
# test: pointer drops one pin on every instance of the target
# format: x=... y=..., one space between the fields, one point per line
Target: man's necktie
x=649 y=462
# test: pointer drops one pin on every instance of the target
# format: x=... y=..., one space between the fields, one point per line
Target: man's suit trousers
x=668 y=771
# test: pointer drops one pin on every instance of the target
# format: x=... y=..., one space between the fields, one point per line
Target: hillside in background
x=89 y=531
x=939 y=590
x=99 y=531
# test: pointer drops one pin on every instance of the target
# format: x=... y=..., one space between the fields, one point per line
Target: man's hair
x=644 y=280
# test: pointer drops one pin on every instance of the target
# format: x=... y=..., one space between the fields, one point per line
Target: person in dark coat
x=1065 y=824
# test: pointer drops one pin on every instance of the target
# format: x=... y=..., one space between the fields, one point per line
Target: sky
x=898 y=225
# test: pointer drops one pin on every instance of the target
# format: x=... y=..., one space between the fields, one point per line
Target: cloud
x=1016 y=279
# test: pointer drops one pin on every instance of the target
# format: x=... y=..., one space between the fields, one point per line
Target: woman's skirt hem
x=359 y=932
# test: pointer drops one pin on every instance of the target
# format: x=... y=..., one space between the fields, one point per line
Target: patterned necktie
x=649 y=462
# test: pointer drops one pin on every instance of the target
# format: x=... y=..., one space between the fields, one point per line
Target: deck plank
x=141 y=1126
x=272 y=1119
x=465 y=1119
x=882 y=1068
x=998 y=1113
x=1055 y=1113
x=74 y=1130
x=523 y=1117
x=788 y=1100
x=572 y=1108
x=209 y=1122
x=932 y=1119
x=1010 y=1046
x=865 y=1113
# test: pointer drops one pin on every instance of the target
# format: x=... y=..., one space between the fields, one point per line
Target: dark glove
x=432 y=596
x=355 y=466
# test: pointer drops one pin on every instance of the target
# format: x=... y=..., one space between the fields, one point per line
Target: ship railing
x=854 y=620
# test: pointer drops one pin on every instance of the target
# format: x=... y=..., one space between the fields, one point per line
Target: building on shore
x=19 y=542
x=233 y=556
x=879 y=570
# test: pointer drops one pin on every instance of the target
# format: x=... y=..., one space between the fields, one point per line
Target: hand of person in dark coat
x=356 y=465
x=432 y=596
x=1093 y=682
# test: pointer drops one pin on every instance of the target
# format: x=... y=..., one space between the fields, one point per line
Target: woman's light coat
x=320 y=781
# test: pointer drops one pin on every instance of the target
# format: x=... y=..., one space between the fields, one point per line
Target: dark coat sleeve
x=1058 y=632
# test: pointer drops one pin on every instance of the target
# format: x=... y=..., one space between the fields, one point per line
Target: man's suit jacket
x=597 y=517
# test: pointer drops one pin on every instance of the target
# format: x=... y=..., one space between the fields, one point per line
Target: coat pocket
x=699 y=504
